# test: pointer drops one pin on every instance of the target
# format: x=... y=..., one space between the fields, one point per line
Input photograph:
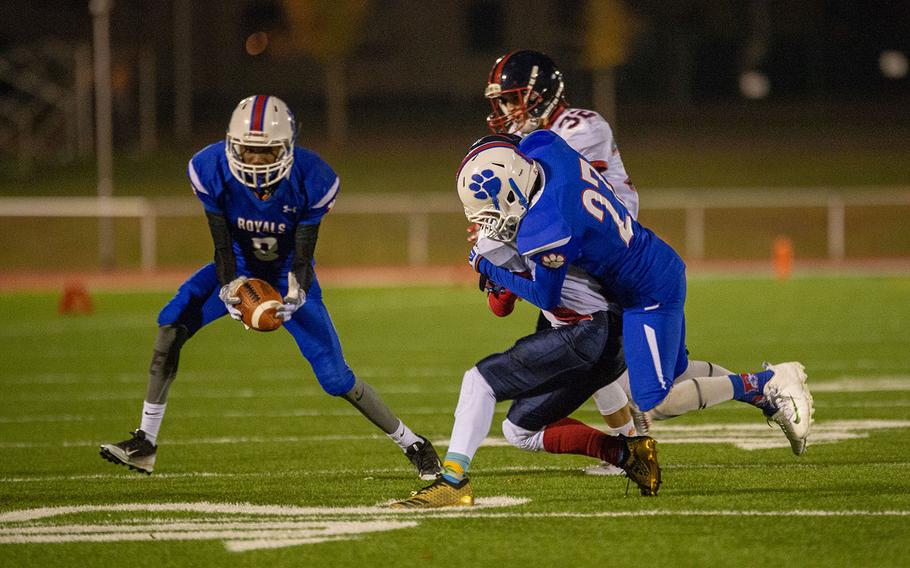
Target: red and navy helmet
x=525 y=88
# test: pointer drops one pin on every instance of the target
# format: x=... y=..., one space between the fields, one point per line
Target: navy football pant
x=196 y=304
x=552 y=372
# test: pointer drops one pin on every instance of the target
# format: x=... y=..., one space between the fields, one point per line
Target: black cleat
x=136 y=453
x=423 y=455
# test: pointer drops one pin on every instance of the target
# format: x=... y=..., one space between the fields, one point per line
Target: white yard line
x=235 y=508
x=215 y=375
x=748 y=436
x=297 y=413
x=896 y=383
x=369 y=473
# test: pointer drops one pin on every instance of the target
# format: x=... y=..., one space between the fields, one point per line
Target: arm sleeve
x=225 y=262
x=304 y=245
x=544 y=290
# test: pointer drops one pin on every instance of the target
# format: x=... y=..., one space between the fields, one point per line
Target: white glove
x=292 y=300
x=228 y=295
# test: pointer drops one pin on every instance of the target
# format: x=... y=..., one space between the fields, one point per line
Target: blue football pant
x=655 y=345
x=196 y=304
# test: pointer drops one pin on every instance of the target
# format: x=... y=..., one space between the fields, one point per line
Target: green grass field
x=258 y=467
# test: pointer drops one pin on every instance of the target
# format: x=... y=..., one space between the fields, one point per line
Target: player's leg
x=318 y=341
x=613 y=405
x=654 y=342
x=195 y=305
x=532 y=366
x=658 y=362
x=636 y=457
x=540 y=422
x=780 y=390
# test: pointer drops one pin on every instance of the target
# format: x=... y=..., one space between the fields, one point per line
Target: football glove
x=292 y=300
x=502 y=303
x=228 y=295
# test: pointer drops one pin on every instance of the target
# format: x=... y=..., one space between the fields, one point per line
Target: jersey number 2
x=598 y=204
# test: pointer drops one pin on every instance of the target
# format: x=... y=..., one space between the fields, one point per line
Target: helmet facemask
x=259 y=177
x=496 y=225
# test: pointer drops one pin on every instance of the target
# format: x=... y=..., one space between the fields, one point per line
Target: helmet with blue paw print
x=495 y=184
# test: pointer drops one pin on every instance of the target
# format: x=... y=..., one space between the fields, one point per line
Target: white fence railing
x=417 y=208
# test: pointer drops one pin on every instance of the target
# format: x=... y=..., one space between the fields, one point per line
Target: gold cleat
x=440 y=493
x=641 y=465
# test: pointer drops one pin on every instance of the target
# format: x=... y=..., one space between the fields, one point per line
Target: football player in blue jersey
x=527 y=92
x=264 y=199
x=556 y=209
x=548 y=374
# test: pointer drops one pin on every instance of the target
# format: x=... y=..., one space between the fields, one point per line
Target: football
x=258 y=302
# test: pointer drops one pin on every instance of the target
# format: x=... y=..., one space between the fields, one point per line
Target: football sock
x=569 y=436
x=693 y=394
x=403 y=436
x=152 y=414
x=165 y=358
x=455 y=467
x=368 y=402
x=749 y=387
x=473 y=415
x=697 y=369
x=627 y=429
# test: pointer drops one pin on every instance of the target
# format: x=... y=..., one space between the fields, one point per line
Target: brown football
x=258 y=302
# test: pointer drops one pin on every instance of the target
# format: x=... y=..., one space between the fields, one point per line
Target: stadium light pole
x=101 y=23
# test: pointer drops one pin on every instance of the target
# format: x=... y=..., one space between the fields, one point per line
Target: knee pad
x=685 y=396
x=473 y=387
x=610 y=398
x=337 y=384
x=522 y=439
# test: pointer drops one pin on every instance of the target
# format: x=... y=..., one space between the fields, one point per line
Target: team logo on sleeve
x=553 y=260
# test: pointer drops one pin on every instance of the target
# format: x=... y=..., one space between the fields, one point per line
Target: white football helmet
x=261 y=121
x=495 y=182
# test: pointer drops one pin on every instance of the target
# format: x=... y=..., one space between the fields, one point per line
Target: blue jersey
x=576 y=219
x=263 y=231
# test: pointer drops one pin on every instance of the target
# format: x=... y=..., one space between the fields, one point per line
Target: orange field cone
x=783 y=257
x=75 y=299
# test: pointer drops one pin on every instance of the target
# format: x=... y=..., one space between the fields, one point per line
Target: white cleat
x=788 y=392
x=603 y=468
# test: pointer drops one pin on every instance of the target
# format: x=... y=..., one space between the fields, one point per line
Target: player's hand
x=228 y=295
x=292 y=300
x=502 y=303
x=473 y=232
x=474 y=258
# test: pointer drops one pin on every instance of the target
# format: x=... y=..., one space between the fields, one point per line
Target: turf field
x=258 y=468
